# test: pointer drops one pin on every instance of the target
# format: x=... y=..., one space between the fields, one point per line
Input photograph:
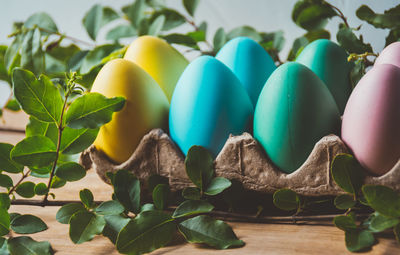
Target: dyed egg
x=146 y=107
x=208 y=104
x=371 y=121
x=294 y=111
x=249 y=62
x=390 y=55
x=159 y=59
x=329 y=62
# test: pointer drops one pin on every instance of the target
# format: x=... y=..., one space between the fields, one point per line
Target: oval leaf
x=191 y=193
x=65 y=213
x=217 y=185
x=127 y=190
x=192 y=207
x=380 y=222
x=92 y=110
x=111 y=207
x=5 y=201
x=4 y=221
x=204 y=229
x=34 y=151
x=41 y=189
x=27 y=246
x=37 y=97
x=150 y=230
x=286 y=199
x=6 y=164
x=160 y=196
x=86 y=197
x=26 y=189
x=347 y=173
x=199 y=166
x=357 y=240
x=5 y=181
x=83 y=226
x=382 y=199
x=27 y=224
x=344 y=202
x=70 y=171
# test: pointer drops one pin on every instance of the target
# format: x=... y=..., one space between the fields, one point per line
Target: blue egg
x=208 y=104
x=249 y=62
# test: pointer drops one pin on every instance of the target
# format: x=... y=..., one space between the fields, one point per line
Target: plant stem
x=196 y=28
x=19 y=182
x=341 y=15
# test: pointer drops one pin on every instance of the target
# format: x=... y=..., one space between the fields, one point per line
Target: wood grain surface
x=259 y=238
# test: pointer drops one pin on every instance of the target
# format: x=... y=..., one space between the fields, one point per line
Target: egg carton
x=242 y=158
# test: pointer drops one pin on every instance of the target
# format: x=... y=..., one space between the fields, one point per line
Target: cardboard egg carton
x=241 y=158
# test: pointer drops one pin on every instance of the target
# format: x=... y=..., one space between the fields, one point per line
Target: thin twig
x=341 y=15
x=196 y=28
x=19 y=182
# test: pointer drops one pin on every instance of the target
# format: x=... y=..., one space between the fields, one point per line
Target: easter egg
x=146 y=107
x=371 y=121
x=390 y=55
x=208 y=104
x=249 y=62
x=159 y=59
x=294 y=111
x=329 y=62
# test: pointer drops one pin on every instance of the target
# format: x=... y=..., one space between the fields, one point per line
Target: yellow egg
x=164 y=63
x=146 y=108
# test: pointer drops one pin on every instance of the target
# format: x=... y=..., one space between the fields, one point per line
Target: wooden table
x=259 y=238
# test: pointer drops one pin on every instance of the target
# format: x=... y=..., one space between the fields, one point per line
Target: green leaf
x=5 y=201
x=297 y=48
x=317 y=34
x=156 y=26
x=396 y=231
x=345 y=223
x=65 y=213
x=37 y=97
x=344 y=201
x=32 y=55
x=358 y=240
x=5 y=181
x=215 y=233
x=27 y=246
x=154 y=180
x=160 y=196
x=72 y=141
x=382 y=199
x=244 y=31
x=83 y=226
x=70 y=171
x=380 y=222
x=357 y=72
x=199 y=166
x=94 y=58
x=347 y=173
x=86 y=197
x=173 y=18
x=190 y=6
x=217 y=185
x=34 y=151
x=349 y=41
x=197 y=36
x=26 y=189
x=147 y=207
x=393 y=36
x=3 y=68
x=312 y=14
x=92 y=110
x=13 y=105
x=6 y=164
x=114 y=224
x=286 y=199
x=191 y=193
x=111 y=207
x=135 y=12
x=42 y=20
x=4 y=221
x=180 y=39
x=219 y=39
x=41 y=189
x=192 y=207
x=150 y=230
x=12 y=56
x=390 y=19
x=96 y=18
x=273 y=42
x=57 y=183
x=121 y=31
x=27 y=224
x=127 y=190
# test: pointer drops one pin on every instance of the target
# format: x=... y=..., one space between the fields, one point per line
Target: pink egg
x=390 y=55
x=371 y=120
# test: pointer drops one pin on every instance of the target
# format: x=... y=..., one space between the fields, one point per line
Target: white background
x=264 y=15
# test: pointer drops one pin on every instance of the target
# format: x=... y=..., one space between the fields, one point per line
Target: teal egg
x=249 y=62
x=294 y=111
x=207 y=105
x=329 y=62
